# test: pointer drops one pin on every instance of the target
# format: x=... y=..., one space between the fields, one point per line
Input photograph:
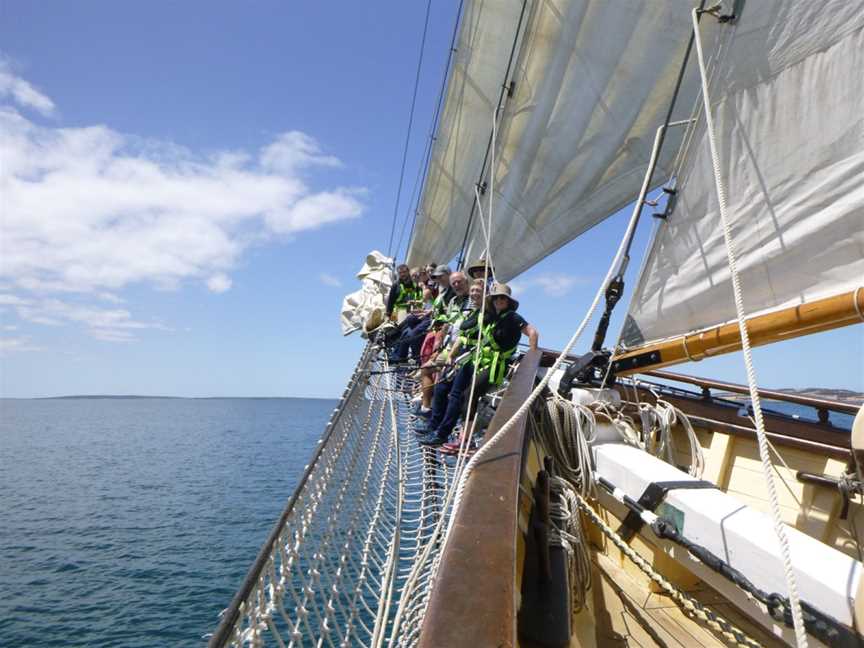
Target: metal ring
x=855 y=303
x=686 y=350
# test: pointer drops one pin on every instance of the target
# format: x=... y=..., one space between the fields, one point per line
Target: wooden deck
x=628 y=614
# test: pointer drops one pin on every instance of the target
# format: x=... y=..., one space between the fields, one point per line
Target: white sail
x=592 y=82
x=787 y=89
x=486 y=39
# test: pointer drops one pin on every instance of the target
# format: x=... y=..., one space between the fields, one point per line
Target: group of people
x=444 y=330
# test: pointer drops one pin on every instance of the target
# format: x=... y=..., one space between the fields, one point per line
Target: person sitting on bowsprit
x=499 y=341
x=403 y=293
x=479 y=270
x=415 y=326
x=433 y=351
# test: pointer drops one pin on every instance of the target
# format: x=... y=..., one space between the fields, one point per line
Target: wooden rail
x=706 y=385
x=473 y=602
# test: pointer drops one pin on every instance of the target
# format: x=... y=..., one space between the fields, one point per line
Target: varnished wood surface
x=820 y=315
x=734 y=388
x=628 y=614
x=473 y=602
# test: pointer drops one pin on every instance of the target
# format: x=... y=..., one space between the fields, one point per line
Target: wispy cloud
x=553 y=284
x=219 y=283
x=90 y=211
x=17 y=345
x=22 y=93
x=329 y=280
x=111 y=324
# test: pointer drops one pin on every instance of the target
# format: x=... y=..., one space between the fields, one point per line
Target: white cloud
x=17 y=344
x=294 y=150
x=329 y=280
x=553 y=284
x=113 y=324
x=219 y=283
x=22 y=93
x=90 y=210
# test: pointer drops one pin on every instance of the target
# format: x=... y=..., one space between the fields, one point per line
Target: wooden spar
x=820 y=315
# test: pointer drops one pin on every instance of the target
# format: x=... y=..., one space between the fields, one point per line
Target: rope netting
x=352 y=535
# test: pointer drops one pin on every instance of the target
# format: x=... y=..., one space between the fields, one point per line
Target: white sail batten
x=788 y=97
x=486 y=39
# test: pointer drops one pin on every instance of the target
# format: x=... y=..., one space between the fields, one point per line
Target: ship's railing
x=822 y=406
x=331 y=571
x=473 y=601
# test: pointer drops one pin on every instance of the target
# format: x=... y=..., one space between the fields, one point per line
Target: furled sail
x=787 y=89
x=357 y=307
x=592 y=82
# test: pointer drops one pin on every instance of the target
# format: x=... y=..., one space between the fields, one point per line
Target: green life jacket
x=492 y=356
x=468 y=338
x=407 y=295
x=440 y=309
x=453 y=313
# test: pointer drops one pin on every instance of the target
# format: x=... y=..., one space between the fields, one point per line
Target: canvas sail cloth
x=593 y=81
x=788 y=96
x=377 y=277
x=483 y=47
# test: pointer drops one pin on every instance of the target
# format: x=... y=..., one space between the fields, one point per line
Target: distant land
x=840 y=395
x=139 y=396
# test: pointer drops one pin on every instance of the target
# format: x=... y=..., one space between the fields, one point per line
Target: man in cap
x=500 y=339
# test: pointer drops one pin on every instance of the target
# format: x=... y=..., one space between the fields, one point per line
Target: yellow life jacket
x=492 y=356
x=407 y=295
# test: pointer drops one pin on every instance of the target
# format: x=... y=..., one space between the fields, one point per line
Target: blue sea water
x=131 y=522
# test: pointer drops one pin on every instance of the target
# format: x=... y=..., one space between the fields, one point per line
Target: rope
x=662 y=418
x=410 y=124
x=779 y=527
x=568 y=531
x=432 y=128
x=517 y=416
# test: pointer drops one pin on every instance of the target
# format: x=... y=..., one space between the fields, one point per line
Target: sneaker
x=425 y=412
x=416 y=404
x=432 y=440
x=449 y=448
x=420 y=427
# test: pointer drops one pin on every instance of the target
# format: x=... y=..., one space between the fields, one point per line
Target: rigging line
x=779 y=527
x=504 y=91
x=452 y=490
x=662 y=135
x=410 y=124
x=434 y=125
x=426 y=156
x=487 y=447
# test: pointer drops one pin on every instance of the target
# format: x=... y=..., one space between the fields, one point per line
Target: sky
x=188 y=189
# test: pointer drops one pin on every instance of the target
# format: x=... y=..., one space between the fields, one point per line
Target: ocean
x=132 y=522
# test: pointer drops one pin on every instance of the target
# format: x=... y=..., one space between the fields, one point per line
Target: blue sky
x=197 y=183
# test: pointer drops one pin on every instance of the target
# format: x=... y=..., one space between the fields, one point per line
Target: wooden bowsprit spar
x=820 y=315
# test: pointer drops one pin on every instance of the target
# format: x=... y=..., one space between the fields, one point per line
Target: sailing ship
x=612 y=502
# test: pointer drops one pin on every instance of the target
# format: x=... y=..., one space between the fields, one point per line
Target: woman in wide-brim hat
x=498 y=291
